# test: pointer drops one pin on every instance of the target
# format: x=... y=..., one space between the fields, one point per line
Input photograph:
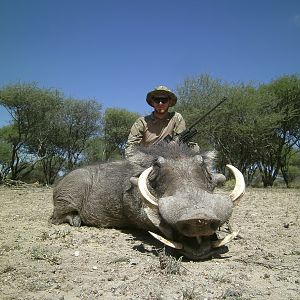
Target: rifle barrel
x=204 y=116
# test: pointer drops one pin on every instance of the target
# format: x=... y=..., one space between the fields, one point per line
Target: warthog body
x=173 y=198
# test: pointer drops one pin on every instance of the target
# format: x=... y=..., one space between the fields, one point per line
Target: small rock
x=231 y=293
x=76 y=253
x=133 y=262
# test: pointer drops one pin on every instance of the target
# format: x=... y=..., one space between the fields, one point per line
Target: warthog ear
x=209 y=159
x=219 y=179
x=198 y=159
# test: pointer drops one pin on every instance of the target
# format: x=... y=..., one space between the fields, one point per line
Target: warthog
x=169 y=193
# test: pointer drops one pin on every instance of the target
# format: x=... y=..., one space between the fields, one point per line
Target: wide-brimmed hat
x=159 y=91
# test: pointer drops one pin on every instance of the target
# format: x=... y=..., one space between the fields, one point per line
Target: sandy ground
x=39 y=260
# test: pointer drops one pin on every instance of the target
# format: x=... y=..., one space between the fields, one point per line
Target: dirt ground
x=39 y=260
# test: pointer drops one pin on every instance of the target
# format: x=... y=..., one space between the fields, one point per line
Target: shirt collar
x=168 y=116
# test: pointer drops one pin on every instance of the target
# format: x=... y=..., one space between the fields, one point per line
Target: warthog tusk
x=166 y=242
x=142 y=184
x=225 y=240
x=239 y=189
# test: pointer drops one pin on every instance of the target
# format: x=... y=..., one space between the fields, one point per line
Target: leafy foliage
x=30 y=108
x=80 y=121
x=94 y=150
x=286 y=136
x=4 y=159
x=46 y=128
x=117 y=124
x=256 y=128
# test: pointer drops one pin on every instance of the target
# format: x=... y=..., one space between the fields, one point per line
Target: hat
x=159 y=91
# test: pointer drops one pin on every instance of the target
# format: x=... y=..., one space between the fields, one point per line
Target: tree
x=196 y=96
x=94 y=150
x=80 y=121
x=52 y=151
x=257 y=127
x=232 y=129
x=46 y=128
x=29 y=107
x=67 y=134
x=117 y=124
x=4 y=159
x=286 y=136
x=294 y=166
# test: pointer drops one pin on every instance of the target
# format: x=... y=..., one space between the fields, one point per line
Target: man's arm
x=179 y=124
x=135 y=138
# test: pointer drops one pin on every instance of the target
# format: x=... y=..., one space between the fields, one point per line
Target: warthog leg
x=73 y=220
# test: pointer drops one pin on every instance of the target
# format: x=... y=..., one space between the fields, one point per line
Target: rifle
x=187 y=135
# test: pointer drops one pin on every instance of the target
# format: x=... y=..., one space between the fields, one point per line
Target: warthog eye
x=153 y=175
x=159 y=162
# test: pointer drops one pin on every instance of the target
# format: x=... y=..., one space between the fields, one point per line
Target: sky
x=115 y=51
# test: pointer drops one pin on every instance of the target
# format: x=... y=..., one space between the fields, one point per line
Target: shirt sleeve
x=179 y=124
x=135 y=137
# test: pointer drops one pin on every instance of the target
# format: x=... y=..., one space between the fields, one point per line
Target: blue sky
x=115 y=51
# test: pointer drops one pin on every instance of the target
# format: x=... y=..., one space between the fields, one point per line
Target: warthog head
x=178 y=191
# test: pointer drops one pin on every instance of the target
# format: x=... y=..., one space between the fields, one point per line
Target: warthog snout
x=200 y=224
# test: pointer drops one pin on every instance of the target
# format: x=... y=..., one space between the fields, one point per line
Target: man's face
x=161 y=103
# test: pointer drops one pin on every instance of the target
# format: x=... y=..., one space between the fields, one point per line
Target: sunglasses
x=158 y=100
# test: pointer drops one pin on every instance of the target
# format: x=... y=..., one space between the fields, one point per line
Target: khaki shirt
x=149 y=130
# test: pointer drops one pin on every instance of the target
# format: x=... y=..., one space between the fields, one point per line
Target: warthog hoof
x=74 y=220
